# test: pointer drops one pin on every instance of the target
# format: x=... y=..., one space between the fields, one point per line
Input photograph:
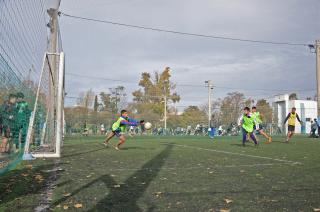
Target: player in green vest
x=23 y=117
x=247 y=124
x=119 y=127
x=9 y=121
x=258 y=124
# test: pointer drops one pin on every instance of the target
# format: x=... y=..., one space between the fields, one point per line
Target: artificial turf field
x=169 y=174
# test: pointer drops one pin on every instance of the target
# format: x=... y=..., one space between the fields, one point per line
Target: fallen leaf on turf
x=143 y=183
x=224 y=210
x=88 y=176
x=228 y=201
x=242 y=171
x=211 y=172
x=116 y=186
x=316 y=209
x=78 y=205
x=65 y=207
x=38 y=177
x=67 y=194
x=29 y=166
x=158 y=193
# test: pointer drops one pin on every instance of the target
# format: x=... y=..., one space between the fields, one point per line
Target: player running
x=118 y=128
x=257 y=116
x=247 y=124
x=291 y=118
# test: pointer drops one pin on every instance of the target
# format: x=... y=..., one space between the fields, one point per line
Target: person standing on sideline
x=314 y=127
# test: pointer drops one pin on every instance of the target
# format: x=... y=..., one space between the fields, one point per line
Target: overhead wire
x=182 y=33
x=187 y=85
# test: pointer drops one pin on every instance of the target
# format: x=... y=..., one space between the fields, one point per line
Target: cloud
x=107 y=51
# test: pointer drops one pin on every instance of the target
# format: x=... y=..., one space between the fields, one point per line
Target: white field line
x=201 y=167
x=235 y=153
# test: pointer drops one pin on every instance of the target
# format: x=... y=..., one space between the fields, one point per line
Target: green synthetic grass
x=173 y=174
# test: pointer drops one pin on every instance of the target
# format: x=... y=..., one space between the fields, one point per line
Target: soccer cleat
x=269 y=140
x=117 y=148
x=105 y=144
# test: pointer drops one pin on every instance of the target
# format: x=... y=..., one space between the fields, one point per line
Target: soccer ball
x=147 y=125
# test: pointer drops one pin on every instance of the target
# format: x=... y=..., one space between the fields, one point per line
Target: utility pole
x=317 y=48
x=165 y=107
x=53 y=25
x=210 y=87
x=165 y=113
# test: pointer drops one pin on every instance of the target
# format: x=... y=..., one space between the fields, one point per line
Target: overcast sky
x=109 y=51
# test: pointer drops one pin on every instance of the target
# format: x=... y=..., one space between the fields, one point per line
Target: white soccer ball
x=147 y=125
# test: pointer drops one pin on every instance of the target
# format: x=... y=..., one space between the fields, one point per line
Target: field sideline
x=169 y=174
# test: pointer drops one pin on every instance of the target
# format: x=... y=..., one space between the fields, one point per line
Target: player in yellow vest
x=291 y=118
x=119 y=127
x=258 y=124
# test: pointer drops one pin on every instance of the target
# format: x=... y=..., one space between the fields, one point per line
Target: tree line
x=148 y=101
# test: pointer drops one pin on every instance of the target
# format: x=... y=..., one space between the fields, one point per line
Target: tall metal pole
x=165 y=113
x=317 y=47
x=165 y=106
x=209 y=83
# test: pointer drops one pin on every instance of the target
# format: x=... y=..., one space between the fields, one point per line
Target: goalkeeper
x=118 y=128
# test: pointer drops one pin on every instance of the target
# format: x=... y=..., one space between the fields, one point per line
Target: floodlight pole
x=165 y=107
x=210 y=87
x=317 y=48
x=165 y=113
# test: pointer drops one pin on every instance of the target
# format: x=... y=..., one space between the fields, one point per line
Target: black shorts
x=117 y=133
x=291 y=128
x=259 y=126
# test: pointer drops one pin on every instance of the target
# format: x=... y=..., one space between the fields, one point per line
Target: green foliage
x=265 y=110
x=293 y=96
x=151 y=96
x=114 y=100
x=232 y=106
x=96 y=104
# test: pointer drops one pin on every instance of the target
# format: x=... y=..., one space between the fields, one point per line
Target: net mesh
x=43 y=126
x=25 y=37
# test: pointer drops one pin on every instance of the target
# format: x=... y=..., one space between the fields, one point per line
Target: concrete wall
x=306 y=109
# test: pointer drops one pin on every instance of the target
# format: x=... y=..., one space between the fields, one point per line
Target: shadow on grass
x=250 y=145
x=134 y=147
x=83 y=153
x=20 y=183
x=125 y=198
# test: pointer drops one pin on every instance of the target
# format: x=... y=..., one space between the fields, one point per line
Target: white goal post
x=46 y=124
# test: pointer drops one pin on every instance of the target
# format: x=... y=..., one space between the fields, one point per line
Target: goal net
x=45 y=130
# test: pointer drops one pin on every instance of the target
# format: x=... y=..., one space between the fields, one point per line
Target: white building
x=306 y=109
